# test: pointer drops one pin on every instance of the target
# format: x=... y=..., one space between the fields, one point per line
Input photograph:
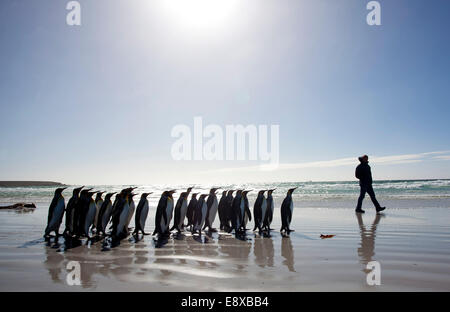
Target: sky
x=96 y=103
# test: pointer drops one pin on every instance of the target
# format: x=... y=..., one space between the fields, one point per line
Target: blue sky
x=96 y=103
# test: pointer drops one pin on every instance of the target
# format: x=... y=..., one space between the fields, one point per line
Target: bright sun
x=200 y=14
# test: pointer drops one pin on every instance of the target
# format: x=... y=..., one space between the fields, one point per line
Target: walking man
x=364 y=175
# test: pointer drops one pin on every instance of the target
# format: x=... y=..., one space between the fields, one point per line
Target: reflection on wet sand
x=236 y=249
x=54 y=264
x=184 y=254
x=163 y=256
x=287 y=253
x=366 y=250
x=263 y=251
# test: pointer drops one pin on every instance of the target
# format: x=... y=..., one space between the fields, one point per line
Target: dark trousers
x=367 y=188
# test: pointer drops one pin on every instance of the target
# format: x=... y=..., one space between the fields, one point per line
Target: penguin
x=259 y=211
x=211 y=212
x=287 y=208
x=180 y=211
x=90 y=214
x=104 y=215
x=247 y=213
x=98 y=203
x=169 y=209
x=222 y=210
x=200 y=214
x=117 y=205
x=237 y=211
x=229 y=211
x=132 y=209
x=80 y=212
x=141 y=214
x=164 y=213
x=190 y=210
x=70 y=211
x=120 y=229
x=55 y=213
x=270 y=207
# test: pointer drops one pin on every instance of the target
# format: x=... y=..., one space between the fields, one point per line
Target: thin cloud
x=350 y=161
x=444 y=157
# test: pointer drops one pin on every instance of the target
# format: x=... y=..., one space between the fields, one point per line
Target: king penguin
x=200 y=214
x=222 y=210
x=90 y=214
x=229 y=212
x=120 y=229
x=141 y=214
x=70 y=210
x=212 y=205
x=55 y=213
x=269 y=213
x=190 y=210
x=238 y=212
x=287 y=208
x=164 y=213
x=98 y=204
x=132 y=209
x=259 y=211
x=117 y=206
x=247 y=213
x=80 y=212
x=104 y=215
x=180 y=211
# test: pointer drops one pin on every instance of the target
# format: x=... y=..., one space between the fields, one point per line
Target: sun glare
x=200 y=15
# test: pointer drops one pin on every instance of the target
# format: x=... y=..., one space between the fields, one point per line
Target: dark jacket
x=364 y=174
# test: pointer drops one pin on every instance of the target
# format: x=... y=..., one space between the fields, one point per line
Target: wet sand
x=411 y=246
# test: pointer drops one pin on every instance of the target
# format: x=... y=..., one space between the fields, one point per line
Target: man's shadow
x=366 y=250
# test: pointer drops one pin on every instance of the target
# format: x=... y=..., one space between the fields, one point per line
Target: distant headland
x=29 y=183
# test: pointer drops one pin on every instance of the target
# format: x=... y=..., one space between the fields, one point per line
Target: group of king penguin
x=87 y=217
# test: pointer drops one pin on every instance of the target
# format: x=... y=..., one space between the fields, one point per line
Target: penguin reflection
x=54 y=264
x=205 y=250
x=367 y=246
x=164 y=256
x=236 y=249
x=287 y=253
x=263 y=251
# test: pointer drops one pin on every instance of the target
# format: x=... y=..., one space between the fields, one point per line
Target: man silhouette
x=364 y=175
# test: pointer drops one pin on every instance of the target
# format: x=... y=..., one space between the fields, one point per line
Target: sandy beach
x=411 y=246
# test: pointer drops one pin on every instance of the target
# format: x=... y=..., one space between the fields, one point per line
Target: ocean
x=338 y=194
